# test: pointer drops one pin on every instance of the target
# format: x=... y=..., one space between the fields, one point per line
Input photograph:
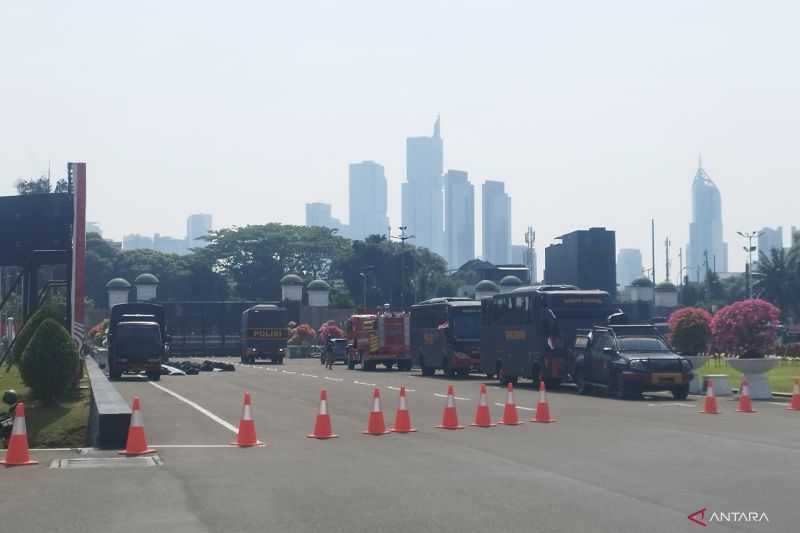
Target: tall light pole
x=364 y=291
x=749 y=235
x=530 y=239
x=403 y=237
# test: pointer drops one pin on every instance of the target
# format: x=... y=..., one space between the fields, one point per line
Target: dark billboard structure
x=586 y=258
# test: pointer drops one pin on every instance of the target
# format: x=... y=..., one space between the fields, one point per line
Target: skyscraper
x=367 y=200
x=422 y=192
x=197 y=226
x=770 y=239
x=584 y=258
x=496 y=224
x=706 y=250
x=629 y=266
x=459 y=218
x=319 y=214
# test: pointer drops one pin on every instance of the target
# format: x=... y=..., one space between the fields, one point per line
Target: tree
x=50 y=362
x=29 y=329
x=690 y=330
x=747 y=328
x=40 y=185
x=777 y=279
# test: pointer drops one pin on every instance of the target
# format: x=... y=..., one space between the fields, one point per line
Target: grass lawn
x=780 y=378
x=57 y=426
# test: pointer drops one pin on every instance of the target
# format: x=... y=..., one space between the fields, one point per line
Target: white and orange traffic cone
x=510 y=417
x=17 y=454
x=246 y=436
x=137 y=442
x=710 y=401
x=322 y=426
x=542 y=407
x=375 y=424
x=483 y=418
x=450 y=415
x=794 y=404
x=745 y=405
x=402 y=418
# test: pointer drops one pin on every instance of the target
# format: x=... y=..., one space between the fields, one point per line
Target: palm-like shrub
x=690 y=330
x=747 y=328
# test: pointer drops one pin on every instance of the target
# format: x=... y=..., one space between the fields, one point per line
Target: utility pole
x=653 y=246
x=680 y=265
x=403 y=237
x=530 y=239
x=666 y=258
x=749 y=265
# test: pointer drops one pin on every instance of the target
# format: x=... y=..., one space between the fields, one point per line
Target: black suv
x=628 y=360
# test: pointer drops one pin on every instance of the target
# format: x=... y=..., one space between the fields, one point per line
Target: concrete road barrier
x=109 y=413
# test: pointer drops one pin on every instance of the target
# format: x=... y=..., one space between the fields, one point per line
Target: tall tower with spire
x=707 y=251
x=422 y=194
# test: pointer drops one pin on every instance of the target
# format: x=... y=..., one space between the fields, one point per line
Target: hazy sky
x=592 y=112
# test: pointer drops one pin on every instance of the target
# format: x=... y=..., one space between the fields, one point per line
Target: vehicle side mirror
x=608 y=349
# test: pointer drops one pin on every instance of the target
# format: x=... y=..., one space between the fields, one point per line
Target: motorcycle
x=7 y=419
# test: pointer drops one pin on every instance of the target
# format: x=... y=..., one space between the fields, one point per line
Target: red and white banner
x=77 y=175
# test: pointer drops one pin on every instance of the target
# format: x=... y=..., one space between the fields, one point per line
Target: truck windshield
x=642 y=344
x=466 y=325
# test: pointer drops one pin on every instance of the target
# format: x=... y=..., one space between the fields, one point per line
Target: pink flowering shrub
x=302 y=334
x=329 y=330
x=746 y=328
x=690 y=330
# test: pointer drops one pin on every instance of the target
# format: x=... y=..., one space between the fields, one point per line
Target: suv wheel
x=580 y=383
x=624 y=390
x=681 y=393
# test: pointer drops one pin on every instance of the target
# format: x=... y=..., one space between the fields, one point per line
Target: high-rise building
x=197 y=226
x=422 y=192
x=137 y=242
x=584 y=258
x=706 y=251
x=770 y=239
x=629 y=266
x=368 y=200
x=496 y=217
x=459 y=218
x=319 y=214
x=170 y=245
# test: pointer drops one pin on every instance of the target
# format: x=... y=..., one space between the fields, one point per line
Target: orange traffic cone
x=483 y=418
x=710 y=403
x=542 y=408
x=510 y=417
x=402 y=418
x=246 y=436
x=449 y=415
x=322 y=427
x=794 y=405
x=745 y=405
x=137 y=442
x=375 y=425
x=17 y=453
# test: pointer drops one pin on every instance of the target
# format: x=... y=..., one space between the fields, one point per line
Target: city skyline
x=608 y=128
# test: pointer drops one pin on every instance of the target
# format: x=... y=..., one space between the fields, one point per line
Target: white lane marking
x=392 y=387
x=191 y=446
x=779 y=403
x=333 y=379
x=671 y=404
x=498 y=404
x=362 y=383
x=445 y=396
x=199 y=407
x=288 y=372
x=309 y=375
x=271 y=369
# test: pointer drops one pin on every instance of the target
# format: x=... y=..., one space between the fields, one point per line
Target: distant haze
x=593 y=113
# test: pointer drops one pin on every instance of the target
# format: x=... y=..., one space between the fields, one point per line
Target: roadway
x=606 y=466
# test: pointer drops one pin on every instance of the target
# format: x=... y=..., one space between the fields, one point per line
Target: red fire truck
x=378 y=338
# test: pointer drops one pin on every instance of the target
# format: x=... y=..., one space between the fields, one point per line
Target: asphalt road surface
x=606 y=465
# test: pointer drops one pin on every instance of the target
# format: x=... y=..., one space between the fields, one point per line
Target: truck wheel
x=448 y=370
x=580 y=383
x=368 y=365
x=428 y=370
x=154 y=376
x=681 y=393
x=404 y=366
x=505 y=378
x=388 y=365
x=552 y=383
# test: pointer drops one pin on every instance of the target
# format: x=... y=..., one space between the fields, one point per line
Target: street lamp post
x=750 y=235
x=403 y=237
x=364 y=291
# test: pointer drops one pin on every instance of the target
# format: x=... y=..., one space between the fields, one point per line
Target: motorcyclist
x=7 y=419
